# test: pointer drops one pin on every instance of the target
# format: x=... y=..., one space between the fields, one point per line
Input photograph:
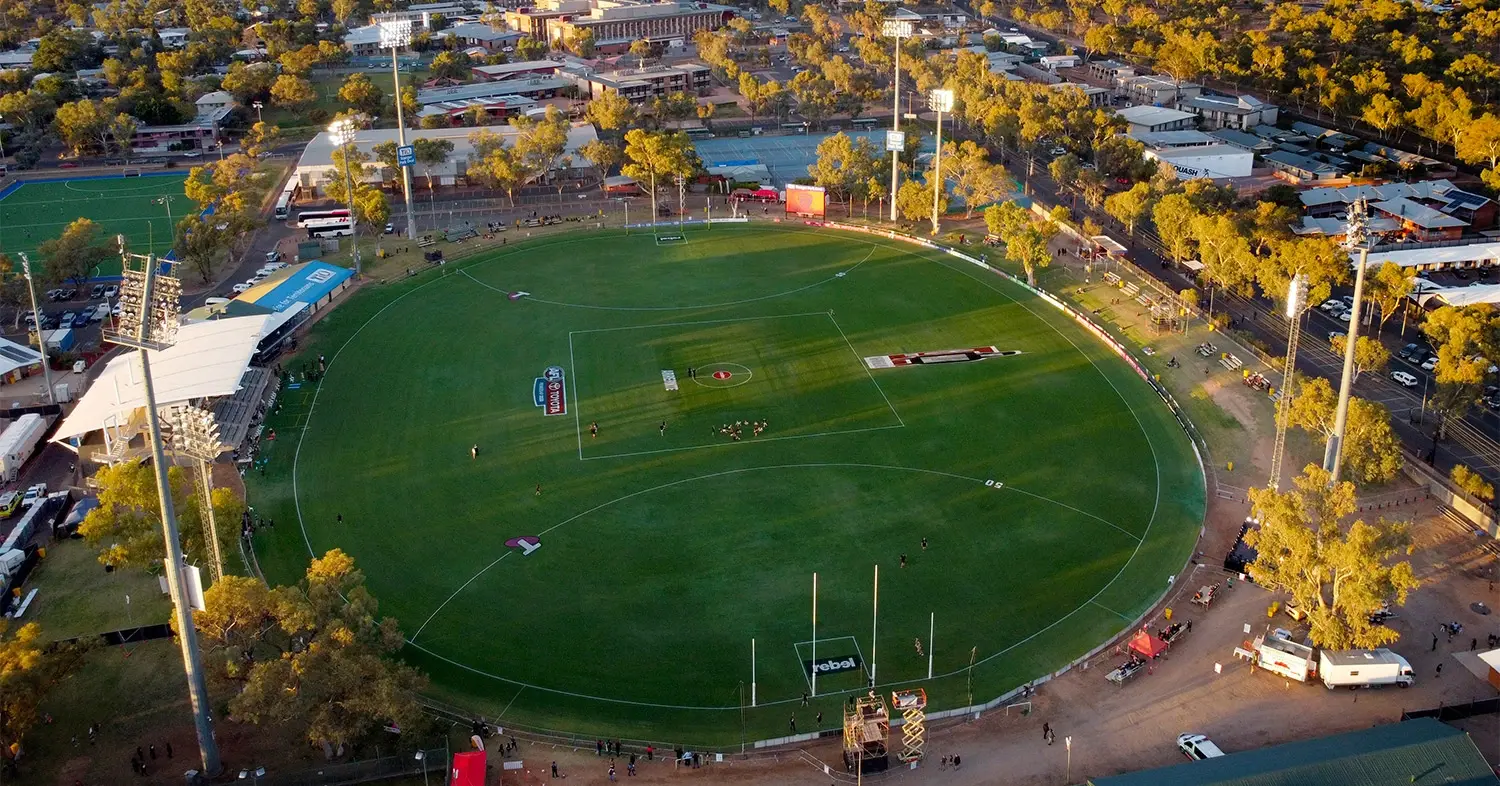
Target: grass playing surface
x=37 y=212
x=1055 y=491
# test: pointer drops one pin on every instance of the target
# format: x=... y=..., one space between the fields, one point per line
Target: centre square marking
x=807 y=382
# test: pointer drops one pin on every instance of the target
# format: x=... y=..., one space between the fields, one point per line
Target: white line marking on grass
x=512 y=701
x=834 y=277
x=807 y=677
x=742 y=442
x=577 y=419
x=1111 y=611
x=1075 y=510
x=679 y=482
x=861 y=362
x=699 y=322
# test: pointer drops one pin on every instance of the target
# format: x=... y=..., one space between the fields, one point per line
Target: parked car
x=238 y=288
x=33 y=494
x=1335 y=334
x=54 y=294
x=1430 y=363
x=1198 y=747
x=67 y=319
x=68 y=293
x=273 y=256
x=1409 y=350
x=111 y=291
x=1404 y=379
x=96 y=292
x=67 y=165
x=1345 y=316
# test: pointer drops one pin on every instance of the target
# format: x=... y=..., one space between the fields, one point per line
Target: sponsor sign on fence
x=550 y=392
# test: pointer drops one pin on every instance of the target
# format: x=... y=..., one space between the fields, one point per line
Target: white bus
x=331 y=227
x=284 y=202
x=307 y=217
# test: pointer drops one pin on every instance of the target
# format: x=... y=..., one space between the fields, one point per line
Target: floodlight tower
x=1356 y=238
x=897 y=30
x=343 y=132
x=148 y=320
x=1296 y=297
x=939 y=101
x=397 y=35
x=36 y=321
x=195 y=434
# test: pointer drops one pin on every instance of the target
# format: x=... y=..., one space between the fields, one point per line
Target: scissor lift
x=913 y=706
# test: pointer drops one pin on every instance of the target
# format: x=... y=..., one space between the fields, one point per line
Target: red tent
x=468 y=769
x=1147 y=644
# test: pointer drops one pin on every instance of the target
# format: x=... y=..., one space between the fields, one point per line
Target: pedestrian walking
x=903 y=560
x=663 y=428
x=474 y=452
x=630 y=769
x=611 y=773
x=650 y=753
x=598 y=747
x=341 y=518
x=924 y=544
x=957 y=761
x=1046 y=730
x=792 y=722
x=1434 y=642
x=594 y=429
x=554 y=769
x=539 y=489
x=804 y=698
x=1440 y=670
x=819 y=719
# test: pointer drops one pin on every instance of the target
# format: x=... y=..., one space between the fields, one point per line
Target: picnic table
x=1126 y=670
x=1205 y=595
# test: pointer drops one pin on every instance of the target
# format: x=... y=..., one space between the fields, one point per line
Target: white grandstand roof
x=1468 y=254
x=207 y=361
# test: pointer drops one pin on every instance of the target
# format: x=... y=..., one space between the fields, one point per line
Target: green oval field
x=613 y=583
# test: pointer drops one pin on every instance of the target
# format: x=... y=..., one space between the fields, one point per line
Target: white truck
x=17 y=444
x=1277 y=653
x=1363 y=669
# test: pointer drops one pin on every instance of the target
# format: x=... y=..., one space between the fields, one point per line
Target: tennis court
x=787 y=157
x=32 y=212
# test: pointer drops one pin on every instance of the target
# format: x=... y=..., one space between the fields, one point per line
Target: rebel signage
x=938 y=357
x=832 y=665
x=550 y=392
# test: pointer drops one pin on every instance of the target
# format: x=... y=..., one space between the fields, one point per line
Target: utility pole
x=1357 y=237
x=939 y=101
x=36 y=321
x=148 y=320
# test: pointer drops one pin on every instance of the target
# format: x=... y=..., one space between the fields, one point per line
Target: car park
x=1198 y=747
x=1403 y=379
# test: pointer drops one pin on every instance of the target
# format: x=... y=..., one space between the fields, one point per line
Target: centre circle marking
x=722 y=375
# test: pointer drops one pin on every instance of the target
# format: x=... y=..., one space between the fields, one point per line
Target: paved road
x=1471 y=441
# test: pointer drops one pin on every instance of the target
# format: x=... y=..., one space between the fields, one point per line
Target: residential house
x=1237 y=112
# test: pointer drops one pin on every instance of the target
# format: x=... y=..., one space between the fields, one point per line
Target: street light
x=939 y=101
x=420 y=757
x=195 y=434
x=897 y=30
x=148 y=320
x=258 y=106
x=1356 y=237
x=255 y=774
x=343 y=132
x=36 y=321
x=165 y=200
x=397 y=35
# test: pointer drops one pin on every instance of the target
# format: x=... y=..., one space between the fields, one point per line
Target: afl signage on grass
x=550 y=393
x=939 y=356
x=832 y=665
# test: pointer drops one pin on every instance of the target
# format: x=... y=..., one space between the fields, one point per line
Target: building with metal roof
x=1148 y=119
x=1422 y=751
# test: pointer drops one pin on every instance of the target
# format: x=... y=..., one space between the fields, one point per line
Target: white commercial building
x=1146 y=119
x=1211 y=161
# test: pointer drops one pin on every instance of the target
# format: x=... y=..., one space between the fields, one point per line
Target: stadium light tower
x=397 y=35
x=1296 y=303
x=1356 y=238
x=195 y=434
x=343 y=132
x=898 y=30
x=36 y=321
x=148 y=320
x=939 y=101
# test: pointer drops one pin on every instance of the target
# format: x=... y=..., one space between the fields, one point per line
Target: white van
x=1197 y=747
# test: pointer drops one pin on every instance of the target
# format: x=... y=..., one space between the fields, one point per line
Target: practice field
x=629 y=534
x=34 y=212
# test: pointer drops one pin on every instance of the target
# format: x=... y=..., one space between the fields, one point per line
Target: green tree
x=30 y=666
x=974 y=177
x=126 y=526
x=654 y=156
x=1064 y=169
x=361 y=95
x=1129 y=207
x=292 y=92
x=542 y=140
x=841 y=163
x=581 y=43
x=1472 y=483
x=1118 y=156
x=73 y=255
x=604 y=156
x=1463 y=337
x=1026 y=239
x=640 y=49
x=250 y=81
x=501 y=168
x=83 y=125
x=372 y=209
x=1338 y=573
x=431 y=154
x=339 y=185
x=260 y=140
x=1387 y=288
x=328 y=662
x=1173 y=215
x=914 y=200
x=451 y=65
x=528 y=48
x=610 y=111
x=1371 y=450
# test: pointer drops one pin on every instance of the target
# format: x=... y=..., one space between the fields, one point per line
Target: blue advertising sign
x=406 y=155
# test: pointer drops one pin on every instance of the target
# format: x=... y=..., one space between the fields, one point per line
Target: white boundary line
x=648 y=326
x=751 y=441
x=681 y=481
x=797 y=650
x=861 y=362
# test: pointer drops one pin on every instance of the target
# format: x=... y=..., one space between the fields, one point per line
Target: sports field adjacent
x=612 y=584
x=32 y=213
